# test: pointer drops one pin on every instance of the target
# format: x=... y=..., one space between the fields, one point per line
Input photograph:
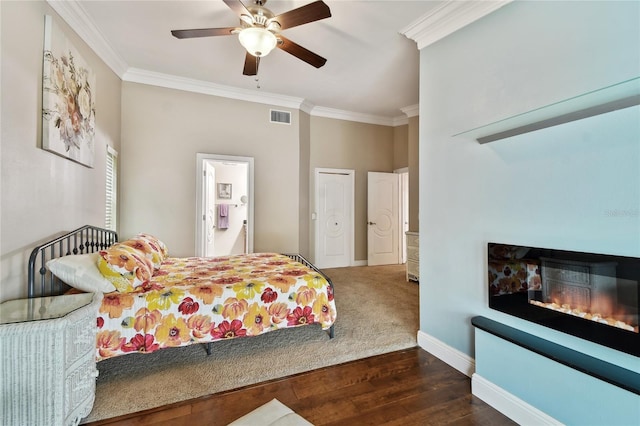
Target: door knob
x=371 y=223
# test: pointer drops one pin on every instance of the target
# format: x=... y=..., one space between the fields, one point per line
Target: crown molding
x=74 y=14
x=153 y=78
x=400 y=120
x=79 y=20
x=135 y=75
x=339 y=114
x=411 y=111
x=447 y=19
x=306 y=106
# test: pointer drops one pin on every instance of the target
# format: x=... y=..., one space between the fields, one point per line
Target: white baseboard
x=359 y=263
x=508 y=404
x=458 y=360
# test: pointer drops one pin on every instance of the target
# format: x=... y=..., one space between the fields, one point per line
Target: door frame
x=209 y=223
x=404 y=211
x=201 y=158
x=352 y=185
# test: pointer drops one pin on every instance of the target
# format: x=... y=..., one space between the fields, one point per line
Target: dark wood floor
x=409 y=387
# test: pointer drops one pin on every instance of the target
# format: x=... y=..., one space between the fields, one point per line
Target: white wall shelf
x=616 y=96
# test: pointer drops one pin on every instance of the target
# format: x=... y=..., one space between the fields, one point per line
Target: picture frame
x=224 y=191
x=68 y=98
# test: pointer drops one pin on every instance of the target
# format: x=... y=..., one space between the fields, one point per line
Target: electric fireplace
x=592 y=296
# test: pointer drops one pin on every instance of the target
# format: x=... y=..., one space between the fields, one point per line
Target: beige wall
x=41 y=193
x=414 y=174
x=305 y=175
x=163 y=129
x=361 y=147
x=400 y=147
x=405 y=154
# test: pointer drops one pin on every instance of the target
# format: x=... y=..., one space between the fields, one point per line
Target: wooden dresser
x=413 y=256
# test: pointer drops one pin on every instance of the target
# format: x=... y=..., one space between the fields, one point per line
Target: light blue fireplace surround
x=567 y=395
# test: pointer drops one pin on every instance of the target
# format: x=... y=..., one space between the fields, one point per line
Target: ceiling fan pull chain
x=257 y=68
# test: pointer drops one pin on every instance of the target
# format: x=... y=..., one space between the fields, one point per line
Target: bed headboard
x=87 y=239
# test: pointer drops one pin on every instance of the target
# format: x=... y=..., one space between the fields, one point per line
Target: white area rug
x=273 y=413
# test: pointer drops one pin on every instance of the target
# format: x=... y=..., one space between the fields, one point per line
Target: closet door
x=334 y=220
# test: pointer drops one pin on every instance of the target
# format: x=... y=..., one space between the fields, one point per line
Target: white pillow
x=81 y=271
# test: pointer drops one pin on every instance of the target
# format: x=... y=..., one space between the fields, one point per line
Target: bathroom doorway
x=224 y=205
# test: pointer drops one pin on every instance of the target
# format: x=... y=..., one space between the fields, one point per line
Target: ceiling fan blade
x=300 y=52
x=202 y=32
x=250 y=64
x=237 y=7
x=303 y=15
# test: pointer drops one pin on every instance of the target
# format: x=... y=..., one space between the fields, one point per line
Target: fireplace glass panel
x=592 y=296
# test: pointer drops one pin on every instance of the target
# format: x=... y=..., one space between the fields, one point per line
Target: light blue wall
x=551 y=188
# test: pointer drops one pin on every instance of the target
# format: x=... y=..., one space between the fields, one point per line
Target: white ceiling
x=371 y=70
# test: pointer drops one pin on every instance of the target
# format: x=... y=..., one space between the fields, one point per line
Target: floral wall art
x=68 y=99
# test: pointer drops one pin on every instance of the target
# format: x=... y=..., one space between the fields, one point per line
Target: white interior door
x=383 y=223
x=209 y=215
x=334 y=220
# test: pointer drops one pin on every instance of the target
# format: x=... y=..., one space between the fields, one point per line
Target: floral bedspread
x=201 y=300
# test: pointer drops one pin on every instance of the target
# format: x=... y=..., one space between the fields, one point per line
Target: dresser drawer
x=413 y=253
x=78 y=337
x=80 y=389
x=413 y=256
x=413 y=271
x=412 y=240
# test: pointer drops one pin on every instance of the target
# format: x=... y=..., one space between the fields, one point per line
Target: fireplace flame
x=603 y=315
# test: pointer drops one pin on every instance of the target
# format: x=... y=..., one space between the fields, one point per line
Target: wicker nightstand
x=48 y=368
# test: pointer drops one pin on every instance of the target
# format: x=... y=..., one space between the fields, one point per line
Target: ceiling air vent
x=283 y=117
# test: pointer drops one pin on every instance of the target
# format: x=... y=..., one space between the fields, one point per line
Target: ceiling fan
x=259 y=31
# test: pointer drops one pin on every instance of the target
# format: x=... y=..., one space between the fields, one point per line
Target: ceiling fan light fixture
x=257 y=41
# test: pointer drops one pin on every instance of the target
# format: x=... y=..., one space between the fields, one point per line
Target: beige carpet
x=377 y=313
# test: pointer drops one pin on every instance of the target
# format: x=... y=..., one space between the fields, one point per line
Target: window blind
x=110 y=220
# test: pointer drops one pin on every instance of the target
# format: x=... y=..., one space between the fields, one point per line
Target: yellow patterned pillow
x=126 y=267
x=157 y=245
x=148 y=247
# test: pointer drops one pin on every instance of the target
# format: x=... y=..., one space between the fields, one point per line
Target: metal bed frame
x=90 y=239
x=86 y=239
x=305 y=262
